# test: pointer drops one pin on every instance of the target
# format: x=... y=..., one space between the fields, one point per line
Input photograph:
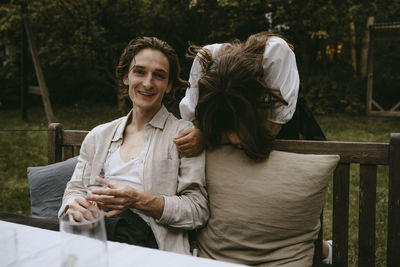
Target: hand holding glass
x=90 y=182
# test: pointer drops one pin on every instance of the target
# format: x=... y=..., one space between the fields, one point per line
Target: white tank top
x=127 y=173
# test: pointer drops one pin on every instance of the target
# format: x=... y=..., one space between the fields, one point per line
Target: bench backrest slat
x=367 y=211
x=68 y=152
x=74 y=137
x=350 y=152
x=340 y=214
x=393 y=243
x=63 y=144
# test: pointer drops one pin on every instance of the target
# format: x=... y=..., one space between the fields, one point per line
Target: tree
x=80 y=41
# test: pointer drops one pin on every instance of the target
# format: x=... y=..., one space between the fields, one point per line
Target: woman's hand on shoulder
x=190 y=142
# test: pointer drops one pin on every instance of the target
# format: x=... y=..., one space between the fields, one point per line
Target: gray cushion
x=264 y=213
x=47 y=185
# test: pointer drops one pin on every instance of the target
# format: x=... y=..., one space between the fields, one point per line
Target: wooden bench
x=64 y=144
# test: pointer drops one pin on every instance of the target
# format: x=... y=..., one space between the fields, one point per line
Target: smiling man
x=149 y=186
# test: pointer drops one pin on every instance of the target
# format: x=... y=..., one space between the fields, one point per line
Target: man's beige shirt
x=180 y=180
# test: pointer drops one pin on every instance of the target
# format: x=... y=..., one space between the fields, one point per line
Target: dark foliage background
x=79 y=42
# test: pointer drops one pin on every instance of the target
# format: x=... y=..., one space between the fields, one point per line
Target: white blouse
x=127 y=173
x=280 y=74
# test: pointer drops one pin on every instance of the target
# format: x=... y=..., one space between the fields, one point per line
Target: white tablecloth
x=40 y=248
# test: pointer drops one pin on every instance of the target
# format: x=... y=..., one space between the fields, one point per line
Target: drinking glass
x=90 y=182
x=84 y=244
x=8 y=246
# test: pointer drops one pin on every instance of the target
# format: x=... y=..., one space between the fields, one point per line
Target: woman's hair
x=140 y=43
x=254 y=45
x=234 y=97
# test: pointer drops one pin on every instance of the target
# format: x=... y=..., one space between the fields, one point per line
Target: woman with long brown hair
x=262 y=71
x=245 y=94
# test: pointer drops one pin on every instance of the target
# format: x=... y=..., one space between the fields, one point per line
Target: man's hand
x=118 y=198
x=190 y=142
x=82 y=210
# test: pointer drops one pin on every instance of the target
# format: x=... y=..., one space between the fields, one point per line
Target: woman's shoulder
x=212 y=48
x=276 y=44
x=276 y=40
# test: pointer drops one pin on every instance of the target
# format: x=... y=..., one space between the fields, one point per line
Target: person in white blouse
x=274 y=68
x=245 y=94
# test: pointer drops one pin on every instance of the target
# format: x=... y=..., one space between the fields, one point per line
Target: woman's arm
x=188 y=104
x=281 y=74
x=190 y=142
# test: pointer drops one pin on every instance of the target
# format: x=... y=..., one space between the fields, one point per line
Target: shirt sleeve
x=75 y=186
x=188 y=104
x=281 y=75
x=188 y=209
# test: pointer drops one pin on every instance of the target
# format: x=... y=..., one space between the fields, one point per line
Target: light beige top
x=180 y=180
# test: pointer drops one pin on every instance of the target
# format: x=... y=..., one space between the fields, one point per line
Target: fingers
x=181 y=135
x=190 y=142
x=81 y=210
x=80 y=203
x=105 y=200
x=188 y=136
x=113 y=190
x=100 y=199
x=103 y=181
x=81 y=216
x=183 y=140
x=185 y=146
x=114 y=207
x=189 y=152
x=70 y=217
x=112 y=213
x=105 y=192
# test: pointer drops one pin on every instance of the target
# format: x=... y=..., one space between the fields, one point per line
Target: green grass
x=24 y=144
x=365 y=129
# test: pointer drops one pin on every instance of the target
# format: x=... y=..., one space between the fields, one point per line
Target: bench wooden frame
x=64 y=144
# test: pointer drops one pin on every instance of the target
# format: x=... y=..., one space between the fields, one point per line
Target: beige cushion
x=264 y=213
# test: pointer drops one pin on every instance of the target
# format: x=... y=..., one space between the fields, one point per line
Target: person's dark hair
x=140 y=43
x=231 y=98
x=254 y=45
x=234 y=97
x=256 y=42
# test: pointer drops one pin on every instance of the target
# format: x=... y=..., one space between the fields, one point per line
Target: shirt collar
x=158 y=121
